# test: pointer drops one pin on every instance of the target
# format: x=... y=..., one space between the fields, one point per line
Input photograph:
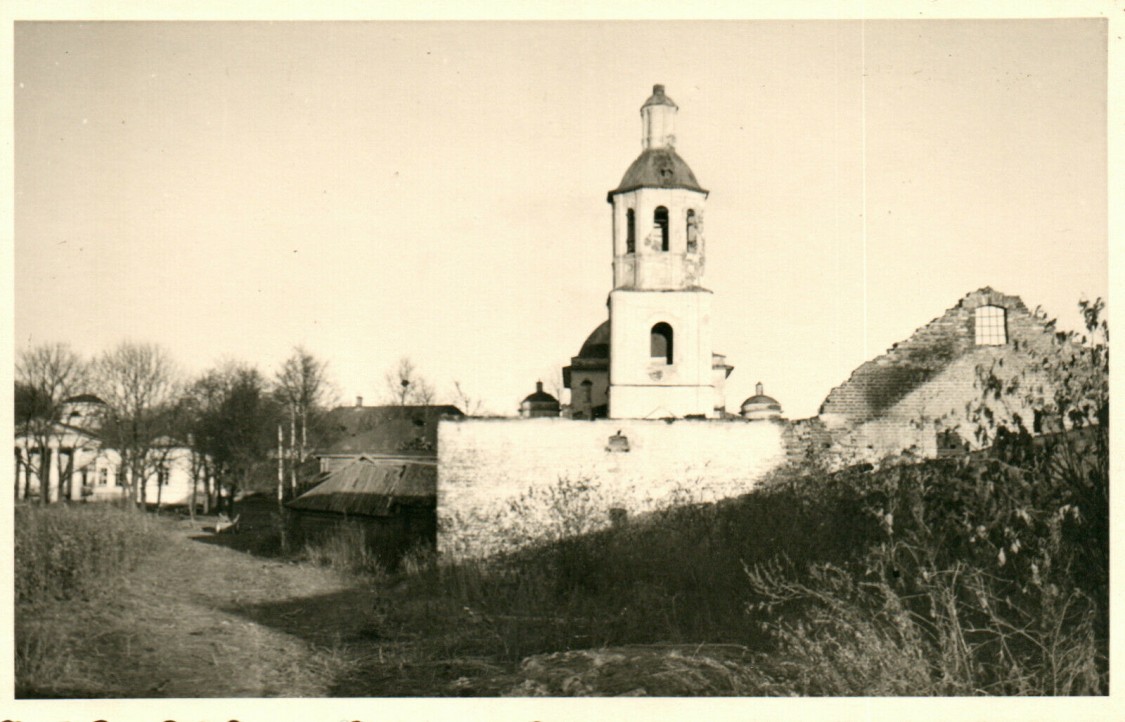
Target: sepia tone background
x=437 y=190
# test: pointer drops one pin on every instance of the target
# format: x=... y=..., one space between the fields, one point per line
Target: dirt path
x=200 y=620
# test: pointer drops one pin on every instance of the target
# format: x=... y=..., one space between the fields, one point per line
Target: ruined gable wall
x=900 y=401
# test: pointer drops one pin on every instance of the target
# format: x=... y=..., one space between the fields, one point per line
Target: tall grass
x=986 y=575
x=65 y=552
x=345 y=548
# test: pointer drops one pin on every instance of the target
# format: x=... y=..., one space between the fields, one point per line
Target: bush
x=990 y=572
x=65 y=552
x=986 y=575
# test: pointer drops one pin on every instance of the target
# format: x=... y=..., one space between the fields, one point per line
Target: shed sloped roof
x=369 y=488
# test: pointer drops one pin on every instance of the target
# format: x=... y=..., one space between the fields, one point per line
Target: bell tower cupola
x=658 y=120
x=661 y=364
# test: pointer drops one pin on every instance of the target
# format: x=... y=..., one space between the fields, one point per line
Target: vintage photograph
x=513 y=359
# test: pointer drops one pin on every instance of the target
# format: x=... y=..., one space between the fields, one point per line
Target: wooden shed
x=392 y=501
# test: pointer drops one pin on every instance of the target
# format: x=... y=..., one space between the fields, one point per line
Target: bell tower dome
x=658 y=209
x=661 y=362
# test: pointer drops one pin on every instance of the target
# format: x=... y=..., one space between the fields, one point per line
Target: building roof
x=168 y=442
x=371 y=488
x=759 y=405
x=84 y=399
x=657 y=168
x=540 y=396
x=597 y=343
x=410 y=430
x=61 y=432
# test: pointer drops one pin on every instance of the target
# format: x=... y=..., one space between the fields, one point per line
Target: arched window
x=630 y=231
x=660 y=220
x=692 y=231
x=991 y=326
x=660 y=342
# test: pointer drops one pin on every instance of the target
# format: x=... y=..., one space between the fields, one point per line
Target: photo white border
x=464 y=710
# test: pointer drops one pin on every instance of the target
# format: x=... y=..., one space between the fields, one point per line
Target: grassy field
x=986 y=576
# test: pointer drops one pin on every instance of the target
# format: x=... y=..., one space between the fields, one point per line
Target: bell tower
x=661 y=362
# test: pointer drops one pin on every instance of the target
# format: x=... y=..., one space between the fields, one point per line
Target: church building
x=653 y=357
x=649 y=389
x=646 y=384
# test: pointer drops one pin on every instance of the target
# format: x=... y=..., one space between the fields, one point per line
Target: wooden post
x=280 y=468
x=281 y=530
x=304 y=434
x=293 y=453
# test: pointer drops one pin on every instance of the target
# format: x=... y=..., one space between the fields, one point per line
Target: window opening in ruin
x=991 y=326
x=660 y=220
x=630 y=231
x=660 y=341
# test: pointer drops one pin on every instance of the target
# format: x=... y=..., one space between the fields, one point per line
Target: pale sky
x=437 y=190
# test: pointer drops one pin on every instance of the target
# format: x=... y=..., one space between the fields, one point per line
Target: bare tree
x=407 y=387
x=471 y=405
x=233 y=421
x=552 y=379
x=304 y=388
x=202 y=400
x=46 y=376
x=140 y=385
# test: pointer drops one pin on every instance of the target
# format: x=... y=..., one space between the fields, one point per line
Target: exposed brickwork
x=807 y=440
x=900 y=401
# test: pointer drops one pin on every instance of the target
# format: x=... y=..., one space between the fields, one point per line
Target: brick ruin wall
x=506 y=483
x=901 y=401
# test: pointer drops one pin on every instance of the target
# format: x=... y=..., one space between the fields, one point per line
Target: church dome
x=658 y=168
x=759 y=406
x=597 y=343
x=539 y=404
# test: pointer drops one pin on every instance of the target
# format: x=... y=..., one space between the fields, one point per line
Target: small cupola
x=760 y=407
x=539 y=404
x=658 y=120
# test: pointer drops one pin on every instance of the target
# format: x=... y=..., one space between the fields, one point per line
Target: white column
x=55 y=473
